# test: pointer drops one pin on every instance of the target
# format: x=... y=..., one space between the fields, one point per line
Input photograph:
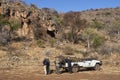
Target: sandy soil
x=37 y=73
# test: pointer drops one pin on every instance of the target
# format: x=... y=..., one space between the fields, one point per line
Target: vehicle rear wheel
x=75 y=69
x=97 y=67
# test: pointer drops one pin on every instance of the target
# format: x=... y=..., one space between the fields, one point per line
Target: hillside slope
x=28 y=33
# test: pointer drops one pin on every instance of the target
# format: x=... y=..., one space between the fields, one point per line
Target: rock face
x=33 y=22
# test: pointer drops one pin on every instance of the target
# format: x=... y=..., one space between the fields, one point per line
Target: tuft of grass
x=40 y=43
x=52 y=42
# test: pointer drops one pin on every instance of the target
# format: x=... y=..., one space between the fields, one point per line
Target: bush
x=4 y=30
x=52 y=42
x=97 y=24
x=92 y=37
x=105 y=49
x=40 y=43
x=107 y=13
x=87 y=36
x=72 y=37
x=74 y=23
x=97 y=41
x=3 y=20
x=15 y=24
x=114 y=30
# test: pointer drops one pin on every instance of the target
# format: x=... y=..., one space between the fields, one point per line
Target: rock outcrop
x=34 y=23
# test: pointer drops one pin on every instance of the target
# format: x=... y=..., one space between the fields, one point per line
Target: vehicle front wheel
x=75 y=69
x=97 y=67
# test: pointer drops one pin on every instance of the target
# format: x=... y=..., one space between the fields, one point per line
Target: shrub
x=75 y=23
x=52 y=42
x=71 y=37
x=97 y=41
x=97 y=24
x=4 y=30
x=3 y=20
x=107 y=13
x=114 y=30
x=15 y=24
x=92 y=38
x=40 y=43
x=105 y=50
x=87 y=36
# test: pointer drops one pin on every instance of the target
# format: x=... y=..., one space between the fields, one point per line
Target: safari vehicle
x=88 y=63
x=78 y=63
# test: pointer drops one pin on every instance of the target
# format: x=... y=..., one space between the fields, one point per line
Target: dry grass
x=2 y=53
x=35 y=55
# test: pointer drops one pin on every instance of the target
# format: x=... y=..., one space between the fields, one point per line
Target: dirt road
x=36 y=73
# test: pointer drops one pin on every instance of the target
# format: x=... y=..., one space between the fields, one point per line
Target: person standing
x=57 y=65
x=46 y=64
x=69 y=65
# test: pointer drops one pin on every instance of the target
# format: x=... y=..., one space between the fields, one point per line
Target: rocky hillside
x=97 y=29
x=20 y=21
x=27 y=31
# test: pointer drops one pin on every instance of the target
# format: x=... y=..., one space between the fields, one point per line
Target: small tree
x=97 y=41
x=92 y=37
x=87 y=36
x=73 y=21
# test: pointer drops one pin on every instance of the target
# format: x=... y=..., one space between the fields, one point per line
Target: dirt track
x=36 y=73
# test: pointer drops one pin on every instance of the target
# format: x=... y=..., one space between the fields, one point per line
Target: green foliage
x=58 y=20
x=52 y=42
x=92 y=37
x=97 y=41
x=88 y=33
x=3 y=20
x=15 y=24
x=87 y=36
x=40 y=43
x=97 y=24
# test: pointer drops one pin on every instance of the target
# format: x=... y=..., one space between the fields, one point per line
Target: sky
x=74 y=5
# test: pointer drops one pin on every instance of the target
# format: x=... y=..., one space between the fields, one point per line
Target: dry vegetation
x=92 y=33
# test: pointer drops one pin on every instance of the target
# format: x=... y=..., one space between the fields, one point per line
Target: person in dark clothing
x=46 y=64
x=68 y=61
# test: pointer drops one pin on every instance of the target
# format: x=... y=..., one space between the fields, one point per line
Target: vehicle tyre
x=97 y=67
x=75 y=69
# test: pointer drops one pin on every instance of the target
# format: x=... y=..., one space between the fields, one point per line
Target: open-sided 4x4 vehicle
x=77 y=63
x=88 y=63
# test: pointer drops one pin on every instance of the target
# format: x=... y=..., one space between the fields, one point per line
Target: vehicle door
x=87 y=63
